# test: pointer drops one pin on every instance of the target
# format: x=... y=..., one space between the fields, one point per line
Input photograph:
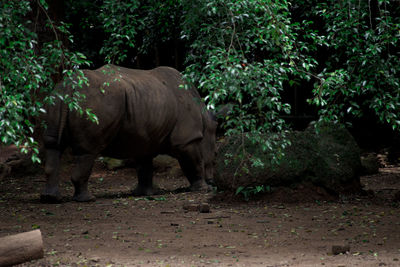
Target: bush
x=326 y=156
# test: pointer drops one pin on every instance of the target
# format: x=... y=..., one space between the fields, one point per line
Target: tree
x=30 y=67
x=245 y=53
x=361 y=73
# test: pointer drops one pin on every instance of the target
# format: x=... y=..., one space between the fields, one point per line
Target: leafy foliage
x=244 y=53
x=138 y=28
x=28 y=72
x=361 y=75
x=160 y=23
x=247 y=192
x=119 y=21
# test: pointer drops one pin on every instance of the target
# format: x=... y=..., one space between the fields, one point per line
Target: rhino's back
x=157 y=116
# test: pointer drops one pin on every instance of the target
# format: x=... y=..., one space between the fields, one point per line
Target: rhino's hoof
x=143 y=191
x=200 y=186
x=84 y=198
x=51 y=199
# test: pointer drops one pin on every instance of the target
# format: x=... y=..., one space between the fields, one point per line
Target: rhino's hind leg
x=144 y=171
x=51 y=192
x=80 y=177
x=191 y=163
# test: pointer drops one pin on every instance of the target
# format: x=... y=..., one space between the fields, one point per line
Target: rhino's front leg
x=51 y=192
x=144 y=171
x=191 y=162
x=80 y=177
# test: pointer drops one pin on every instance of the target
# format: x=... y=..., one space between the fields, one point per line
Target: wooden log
x=19 y=248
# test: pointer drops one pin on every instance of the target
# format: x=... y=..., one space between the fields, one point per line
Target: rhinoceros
x=141 y=113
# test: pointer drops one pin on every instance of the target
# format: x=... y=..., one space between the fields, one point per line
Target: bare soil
x=168 y=230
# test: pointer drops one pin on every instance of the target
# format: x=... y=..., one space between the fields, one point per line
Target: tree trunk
x=20 y=248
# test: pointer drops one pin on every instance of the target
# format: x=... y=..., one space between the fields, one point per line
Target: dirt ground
x=120 y=230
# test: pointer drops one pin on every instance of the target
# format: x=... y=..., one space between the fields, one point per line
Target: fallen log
x=19 y=248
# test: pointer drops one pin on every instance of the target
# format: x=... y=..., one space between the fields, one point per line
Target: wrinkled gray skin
x=141 y=113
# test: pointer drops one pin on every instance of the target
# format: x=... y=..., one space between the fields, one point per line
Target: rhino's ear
x=224 y=111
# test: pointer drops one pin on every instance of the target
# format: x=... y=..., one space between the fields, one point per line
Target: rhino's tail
x=63 y=121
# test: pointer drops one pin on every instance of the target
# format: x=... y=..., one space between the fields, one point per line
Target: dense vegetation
x=340 y=57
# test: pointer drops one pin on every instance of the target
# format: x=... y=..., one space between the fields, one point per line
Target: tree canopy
x=343 y=56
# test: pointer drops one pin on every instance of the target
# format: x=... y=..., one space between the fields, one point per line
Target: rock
x=191 y=207
x=12 y=161
x=165 y=163
x=327 y=156
x=95 y=259
x=4 y=170
x=339 y=249
x=204 y=208
x=161 y=163
x=113 y=164
x=8 y=152
x=370 y=164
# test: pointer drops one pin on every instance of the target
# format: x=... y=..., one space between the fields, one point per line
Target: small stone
x=95 y=259
x=191 y=207
x=204 y=208
x=167 y=212
x=337 y=249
